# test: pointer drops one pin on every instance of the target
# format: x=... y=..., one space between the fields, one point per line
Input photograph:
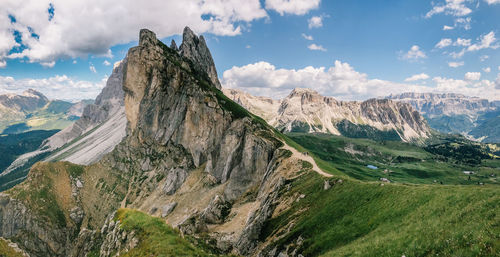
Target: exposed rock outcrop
x=473 y=117
x=305 y=110
x=191 y=155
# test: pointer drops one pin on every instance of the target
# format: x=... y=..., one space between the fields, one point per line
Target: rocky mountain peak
x=147 y=37
x=195 y=49
x=35 y=94
x=28 y=101
x=173 y=45
x=305 y=110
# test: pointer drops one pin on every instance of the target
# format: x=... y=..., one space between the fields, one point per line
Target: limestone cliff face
x=109 y=103
x=169 y=101
x=191 y=156
x=305 y=110
x=445 y=104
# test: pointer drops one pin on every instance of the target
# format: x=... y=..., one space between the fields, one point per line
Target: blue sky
x=268 y=54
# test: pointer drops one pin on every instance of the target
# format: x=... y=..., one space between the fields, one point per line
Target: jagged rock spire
x=173 y=45
x=195 y=49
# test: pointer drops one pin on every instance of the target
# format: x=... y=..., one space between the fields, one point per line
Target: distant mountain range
x=305 y=110
x=477 y=118
x=31 y=110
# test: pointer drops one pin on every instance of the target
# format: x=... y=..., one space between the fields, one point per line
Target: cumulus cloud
x=487 y=69
x=484 y=57
x=106 y=63
x=416 y=77
x=462 y=42
x=297 y=7
x=340 y=80
x=471 y=76
x=56 y=87
x=315 y=22
x=446 y=27
x=315 y=47
x=490 y=2
x=450 y=7
x=455 y=64
x=444 y=43
x=463 y=23
x=307 y=37
x=485 y=41
x=413 y=54
x=67 y=33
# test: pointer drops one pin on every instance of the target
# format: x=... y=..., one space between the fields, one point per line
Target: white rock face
x=445 y=104
x=306 y=110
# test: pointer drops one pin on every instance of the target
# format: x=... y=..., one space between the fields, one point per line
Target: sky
x=349 y=49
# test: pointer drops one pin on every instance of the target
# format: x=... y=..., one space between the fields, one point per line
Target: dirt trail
x=308 y=158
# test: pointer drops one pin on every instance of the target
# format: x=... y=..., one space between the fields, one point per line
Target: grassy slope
x=47 y=191
x=156 y=238
x=7 y=251
x=357 y=218
x=408 y=163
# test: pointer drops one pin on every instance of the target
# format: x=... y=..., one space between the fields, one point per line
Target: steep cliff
x=191 y=156
x=305 y=110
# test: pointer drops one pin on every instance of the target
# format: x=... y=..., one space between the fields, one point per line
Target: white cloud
x=472 y=76
x=446 y=27
x=485 y=41
x=444 y=43
x=463 y=23
x=492 y=1
x=106 y=63
x=497 y=81
x=49 y=64
x=57 y=87
x=315 y=22
x=248 y=46
x=68 y=34
x=307 y=37
x=297 y=7
x=315 y=47
x=451 y=7
x=416 y=77
x=457 y=55
x=74 y=61
x=455 y=64
x=339 y=80
x=92 y=68
x=487 y=69
x=3 y=63
x=484 y=57
x=462 y=42
x=414 y=54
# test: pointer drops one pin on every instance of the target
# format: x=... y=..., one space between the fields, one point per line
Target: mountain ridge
x=308 y=111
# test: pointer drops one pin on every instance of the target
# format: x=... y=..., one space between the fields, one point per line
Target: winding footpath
x=307 y=158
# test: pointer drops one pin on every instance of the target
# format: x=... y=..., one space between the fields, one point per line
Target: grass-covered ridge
x=7 y=251
x=156 y=238
x=47 y=191
x=355 y=218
